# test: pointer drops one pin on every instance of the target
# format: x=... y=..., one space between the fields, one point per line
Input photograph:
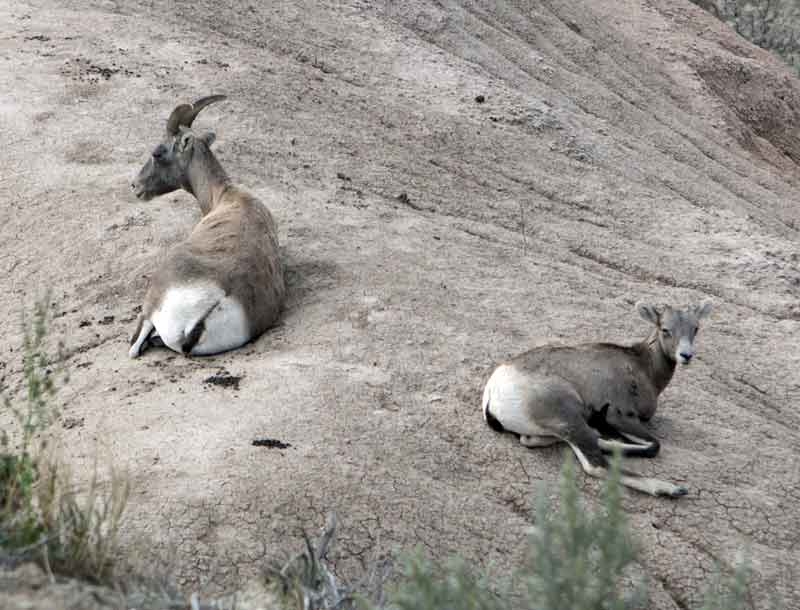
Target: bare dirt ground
x=624 y=150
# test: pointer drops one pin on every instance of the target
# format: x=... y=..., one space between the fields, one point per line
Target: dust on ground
x=454 y=182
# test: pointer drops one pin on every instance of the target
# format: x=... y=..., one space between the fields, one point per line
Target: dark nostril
x=686 y=357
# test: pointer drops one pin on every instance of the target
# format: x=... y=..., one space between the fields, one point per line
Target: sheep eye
x=665 y=332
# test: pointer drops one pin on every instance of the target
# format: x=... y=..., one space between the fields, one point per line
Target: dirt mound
x=427 y=235
x=766 y=102
x=27 y=586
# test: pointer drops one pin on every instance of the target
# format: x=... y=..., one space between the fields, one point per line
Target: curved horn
x=185 y=114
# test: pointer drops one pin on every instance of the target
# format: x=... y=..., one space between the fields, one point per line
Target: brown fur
x=576 y=393
x=235 y=244
x=627 y=376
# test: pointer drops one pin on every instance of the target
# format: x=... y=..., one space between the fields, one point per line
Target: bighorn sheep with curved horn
x=223 y=286
x=579 y=394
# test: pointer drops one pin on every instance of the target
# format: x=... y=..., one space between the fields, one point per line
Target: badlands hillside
x=454 y=182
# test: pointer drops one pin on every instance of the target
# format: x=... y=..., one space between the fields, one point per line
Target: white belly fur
x=506 y=396
x=183 y=307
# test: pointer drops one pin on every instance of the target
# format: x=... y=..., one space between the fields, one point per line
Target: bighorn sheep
x=223 y=286
x=581 y=394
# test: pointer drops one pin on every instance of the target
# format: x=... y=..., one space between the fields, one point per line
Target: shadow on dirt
x=306 y=279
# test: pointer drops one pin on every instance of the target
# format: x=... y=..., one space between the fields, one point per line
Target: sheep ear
x=702 y=310
x=648 y=312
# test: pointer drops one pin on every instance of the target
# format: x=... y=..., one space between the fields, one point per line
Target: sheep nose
x=686 y=356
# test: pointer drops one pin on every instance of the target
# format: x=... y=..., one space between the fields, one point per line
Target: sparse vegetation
x=43 y=517
x=455 y=586
x=578 y=557
x=728 y=591
x=578 y=560
x=305 y=582
x=20 y=526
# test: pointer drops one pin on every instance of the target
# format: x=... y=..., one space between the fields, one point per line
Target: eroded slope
x=426 y=236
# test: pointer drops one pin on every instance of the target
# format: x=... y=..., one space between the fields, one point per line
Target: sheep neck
x=659 y=365
x=205 y=178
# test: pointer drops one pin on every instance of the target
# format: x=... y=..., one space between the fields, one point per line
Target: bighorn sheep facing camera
x=223 y=286
x=581 y=394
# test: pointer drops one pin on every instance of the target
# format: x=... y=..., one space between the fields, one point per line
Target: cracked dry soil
x=621 y=150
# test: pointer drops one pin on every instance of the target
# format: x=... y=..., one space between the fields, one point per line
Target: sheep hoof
x=677 y=491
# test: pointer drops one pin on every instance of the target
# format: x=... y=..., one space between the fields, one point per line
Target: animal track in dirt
x=104 y=321
x=68 y=423
x=219 y=64
x=84 y=69
x=137 y=220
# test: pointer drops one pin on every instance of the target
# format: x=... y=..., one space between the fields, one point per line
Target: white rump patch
x=226 y=328
x=183 y=307
x=506 y=396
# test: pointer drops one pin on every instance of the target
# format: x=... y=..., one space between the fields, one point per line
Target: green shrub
x=43 y=517
x=577 y=557
x=455 y=587
x=729 y=591
x=304 y=581
x=19 y=473
x=577 y=560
